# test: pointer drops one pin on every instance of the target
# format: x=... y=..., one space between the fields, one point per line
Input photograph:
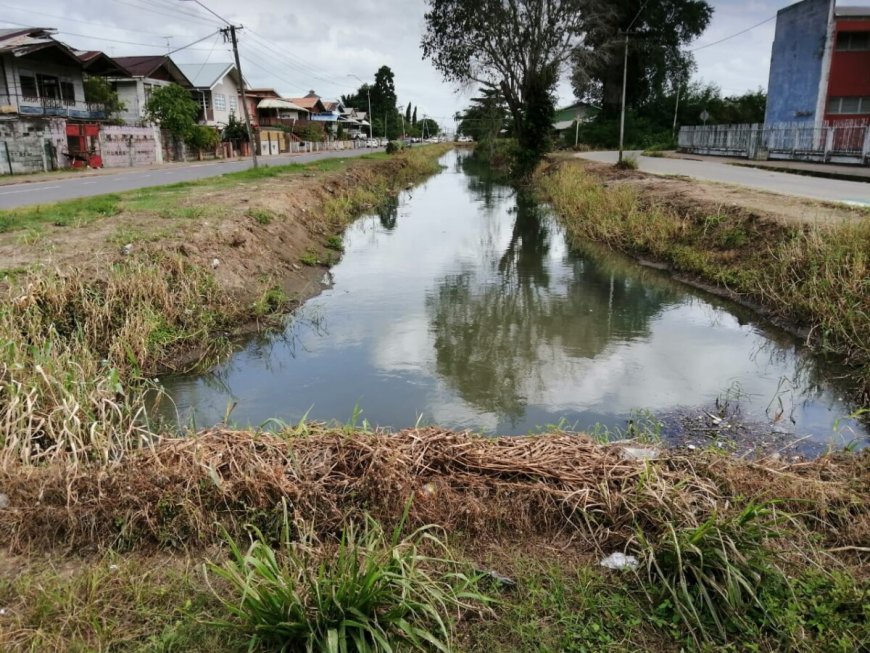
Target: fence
x=838 y=142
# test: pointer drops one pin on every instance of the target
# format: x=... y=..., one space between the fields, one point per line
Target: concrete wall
x=122 y=146
x=796 y=65
x=33 y=145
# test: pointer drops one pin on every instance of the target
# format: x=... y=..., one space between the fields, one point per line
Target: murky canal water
x=461 y=304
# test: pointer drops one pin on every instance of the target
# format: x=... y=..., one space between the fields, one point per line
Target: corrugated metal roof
x=277 y=103
x=206 y=75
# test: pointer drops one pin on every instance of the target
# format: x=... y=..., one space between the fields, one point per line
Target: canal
x=461 y=303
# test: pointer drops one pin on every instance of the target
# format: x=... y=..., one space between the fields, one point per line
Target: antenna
x=168 y=43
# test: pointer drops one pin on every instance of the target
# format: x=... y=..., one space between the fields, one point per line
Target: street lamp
x=368 y=93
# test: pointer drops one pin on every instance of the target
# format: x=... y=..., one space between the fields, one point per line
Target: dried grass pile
x=174 y=493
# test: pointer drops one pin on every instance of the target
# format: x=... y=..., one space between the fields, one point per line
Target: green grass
x=71 y=213
x=372 y=593
x=261 y=216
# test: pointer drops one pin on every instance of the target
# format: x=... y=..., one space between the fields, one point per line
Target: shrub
x=202 y=138
x=368 y=594
x=394 y=147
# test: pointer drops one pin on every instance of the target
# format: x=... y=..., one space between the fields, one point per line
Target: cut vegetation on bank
x=813 y=276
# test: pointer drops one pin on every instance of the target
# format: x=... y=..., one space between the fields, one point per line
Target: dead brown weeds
x=174 y=493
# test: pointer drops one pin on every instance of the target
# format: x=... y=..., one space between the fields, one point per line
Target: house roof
x=207 y=75
x=147 y=66
x=23 y=41
x=279 y=103
x=308 y=102
x=98 y=63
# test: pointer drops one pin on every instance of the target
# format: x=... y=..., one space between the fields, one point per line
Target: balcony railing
x=28 y=105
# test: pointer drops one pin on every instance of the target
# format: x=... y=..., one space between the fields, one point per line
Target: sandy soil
x=692 y=195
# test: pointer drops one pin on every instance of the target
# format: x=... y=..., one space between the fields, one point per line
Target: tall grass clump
x=709 y=577
x=76 y=353
x=369 y=593
x=815 y=277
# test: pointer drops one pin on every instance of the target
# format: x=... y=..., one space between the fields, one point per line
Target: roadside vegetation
x=816 y=277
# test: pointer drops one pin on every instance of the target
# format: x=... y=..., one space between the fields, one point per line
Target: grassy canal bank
x=809 y=275
x=121 y=535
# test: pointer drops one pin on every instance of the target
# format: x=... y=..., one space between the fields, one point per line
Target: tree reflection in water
x=498 y=333
x=388 y=212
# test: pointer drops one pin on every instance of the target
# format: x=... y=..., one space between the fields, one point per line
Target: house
x=269 y=109
x=355 y=123
x=819 y=65
x=320 y=110
x=140 y=76
x=567 y=117
x=42 y=77
x=217 y=89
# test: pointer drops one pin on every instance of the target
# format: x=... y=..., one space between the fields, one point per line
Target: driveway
x=44 y=192
x=855 y=193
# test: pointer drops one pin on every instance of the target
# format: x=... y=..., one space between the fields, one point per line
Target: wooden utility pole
x=230 y=35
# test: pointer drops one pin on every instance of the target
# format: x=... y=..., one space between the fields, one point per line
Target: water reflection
x=463 y=302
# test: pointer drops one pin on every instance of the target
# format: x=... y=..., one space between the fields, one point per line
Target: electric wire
x=736 y=34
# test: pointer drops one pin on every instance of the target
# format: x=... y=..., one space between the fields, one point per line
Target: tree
x=235 y=130
x=657 y=62
x=99 y=91
x=414 y=117
x=428 y=127
x=384 y=93
x=408 y=115
x=515 y=46
x=173 y=109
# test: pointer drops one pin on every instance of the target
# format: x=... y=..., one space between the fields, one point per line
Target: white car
x=372 y=142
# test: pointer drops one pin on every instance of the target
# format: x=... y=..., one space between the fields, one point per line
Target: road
x=44 y=192
x=829 y=190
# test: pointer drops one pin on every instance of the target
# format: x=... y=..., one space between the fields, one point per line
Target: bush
x=202 y=138
x=368 y=594
x=394 y=147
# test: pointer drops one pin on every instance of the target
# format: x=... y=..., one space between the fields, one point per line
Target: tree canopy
x=173 y=109
x=657 y=61
x=515 y=46
x=98 y=91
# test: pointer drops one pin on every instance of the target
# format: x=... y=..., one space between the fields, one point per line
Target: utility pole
x=676 y=109
x=230 y=34
x=627 y=33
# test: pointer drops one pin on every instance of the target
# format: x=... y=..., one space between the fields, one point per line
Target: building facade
x=820 y=65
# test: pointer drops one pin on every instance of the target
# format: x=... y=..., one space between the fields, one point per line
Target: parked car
x=372 y=142
x=465 y=139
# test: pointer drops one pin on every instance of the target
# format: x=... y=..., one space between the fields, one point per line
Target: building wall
x=15 y=67
x=796 y=62
x=134 y=93
x=228 y=89
x=850 y=71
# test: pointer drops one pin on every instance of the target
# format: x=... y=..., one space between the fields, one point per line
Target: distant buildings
x=820 y=65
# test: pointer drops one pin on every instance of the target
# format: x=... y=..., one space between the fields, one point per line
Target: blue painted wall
x=796 y=62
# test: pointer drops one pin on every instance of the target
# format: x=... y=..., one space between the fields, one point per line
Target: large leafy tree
x=515 y=46
x=173 y=109
x=384 y=94
x=658 y=62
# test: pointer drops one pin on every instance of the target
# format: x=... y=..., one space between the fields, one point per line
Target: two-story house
x=217 y=89
x=143 y=75
x=40 y=76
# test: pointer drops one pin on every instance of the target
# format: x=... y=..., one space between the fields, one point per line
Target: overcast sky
x=319 y=44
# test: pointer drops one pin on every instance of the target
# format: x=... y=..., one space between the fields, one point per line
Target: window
x=68 y=92
x=49 y=86
x=28 y=86
x=853 y=41
x=849 y=105
x=220 y=102
x=234 y=103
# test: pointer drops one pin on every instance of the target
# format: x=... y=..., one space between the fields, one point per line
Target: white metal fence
x=839 y=142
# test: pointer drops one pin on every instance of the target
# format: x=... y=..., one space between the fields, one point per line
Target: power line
x=728 y=38
x=175 y=13
x=83 y=22
x=184 y=47
x=90 y=36
x=304 y=66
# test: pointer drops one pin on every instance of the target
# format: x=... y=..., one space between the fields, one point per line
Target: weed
x=627 y=163
x=335 y=243
x=63 y=214
x=708 y=577
x=310 y=258
x=262 y=216
x=274 y=300
x=370 y=593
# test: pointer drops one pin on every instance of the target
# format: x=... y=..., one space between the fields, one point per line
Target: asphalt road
x=44 y=192
x=816 y=188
